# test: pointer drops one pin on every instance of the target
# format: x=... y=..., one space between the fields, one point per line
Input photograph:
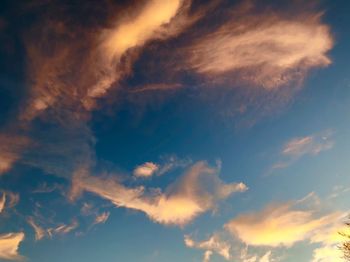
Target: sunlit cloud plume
x=263 y=49
x=108 y=56
x=280 y=225
x=302 y=146
x=9 y=244
x=146 y=170
x=195 y=192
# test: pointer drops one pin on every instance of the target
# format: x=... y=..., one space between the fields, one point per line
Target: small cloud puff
x=146 y=170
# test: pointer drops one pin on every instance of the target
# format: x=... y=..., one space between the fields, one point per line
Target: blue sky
x=174 y=130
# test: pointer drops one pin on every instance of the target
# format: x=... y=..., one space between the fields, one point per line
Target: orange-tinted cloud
x=10 y=151
x=194 y=193
x=9 y=244
x=279 y=226
x=146 y=170
x=264 y=49
x=2 y=202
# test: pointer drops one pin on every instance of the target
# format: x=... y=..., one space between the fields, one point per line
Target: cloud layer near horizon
x=279 y=226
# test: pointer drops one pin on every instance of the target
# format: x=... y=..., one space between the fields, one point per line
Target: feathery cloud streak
x=265 y=49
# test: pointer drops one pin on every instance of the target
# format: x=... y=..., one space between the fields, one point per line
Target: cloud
x=213 y=244
x=266 y=257
x=71 y=74
x=10 y=151
x=61 y=229
x=327 y=253
x=309 y=145
x=266 y=48
x=195 y=192
x=102 y=218
x=39 y=232
x=302 y=146
x=8 y=199
x=276 y=227
x=9 y=244
x=2 y=202
x=146 y=170
x=280 y=225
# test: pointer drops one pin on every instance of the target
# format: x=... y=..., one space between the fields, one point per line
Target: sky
x=174 y=130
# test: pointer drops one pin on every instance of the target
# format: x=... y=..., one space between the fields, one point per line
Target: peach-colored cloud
x=195 y=192
x=2 y=202
x=146 y=170
x=64 y=80
x=264 y=49
x=9 y=244
x=279 y=225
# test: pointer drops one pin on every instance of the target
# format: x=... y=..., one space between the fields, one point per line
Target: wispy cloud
x=11 y=149
x=195 y=192
x=298 y=147
x=39 y=231
x=213 y=244
x=101 y=218
x=8 y=200
x=265 y=49
x=60 y=229
x=9 y=244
